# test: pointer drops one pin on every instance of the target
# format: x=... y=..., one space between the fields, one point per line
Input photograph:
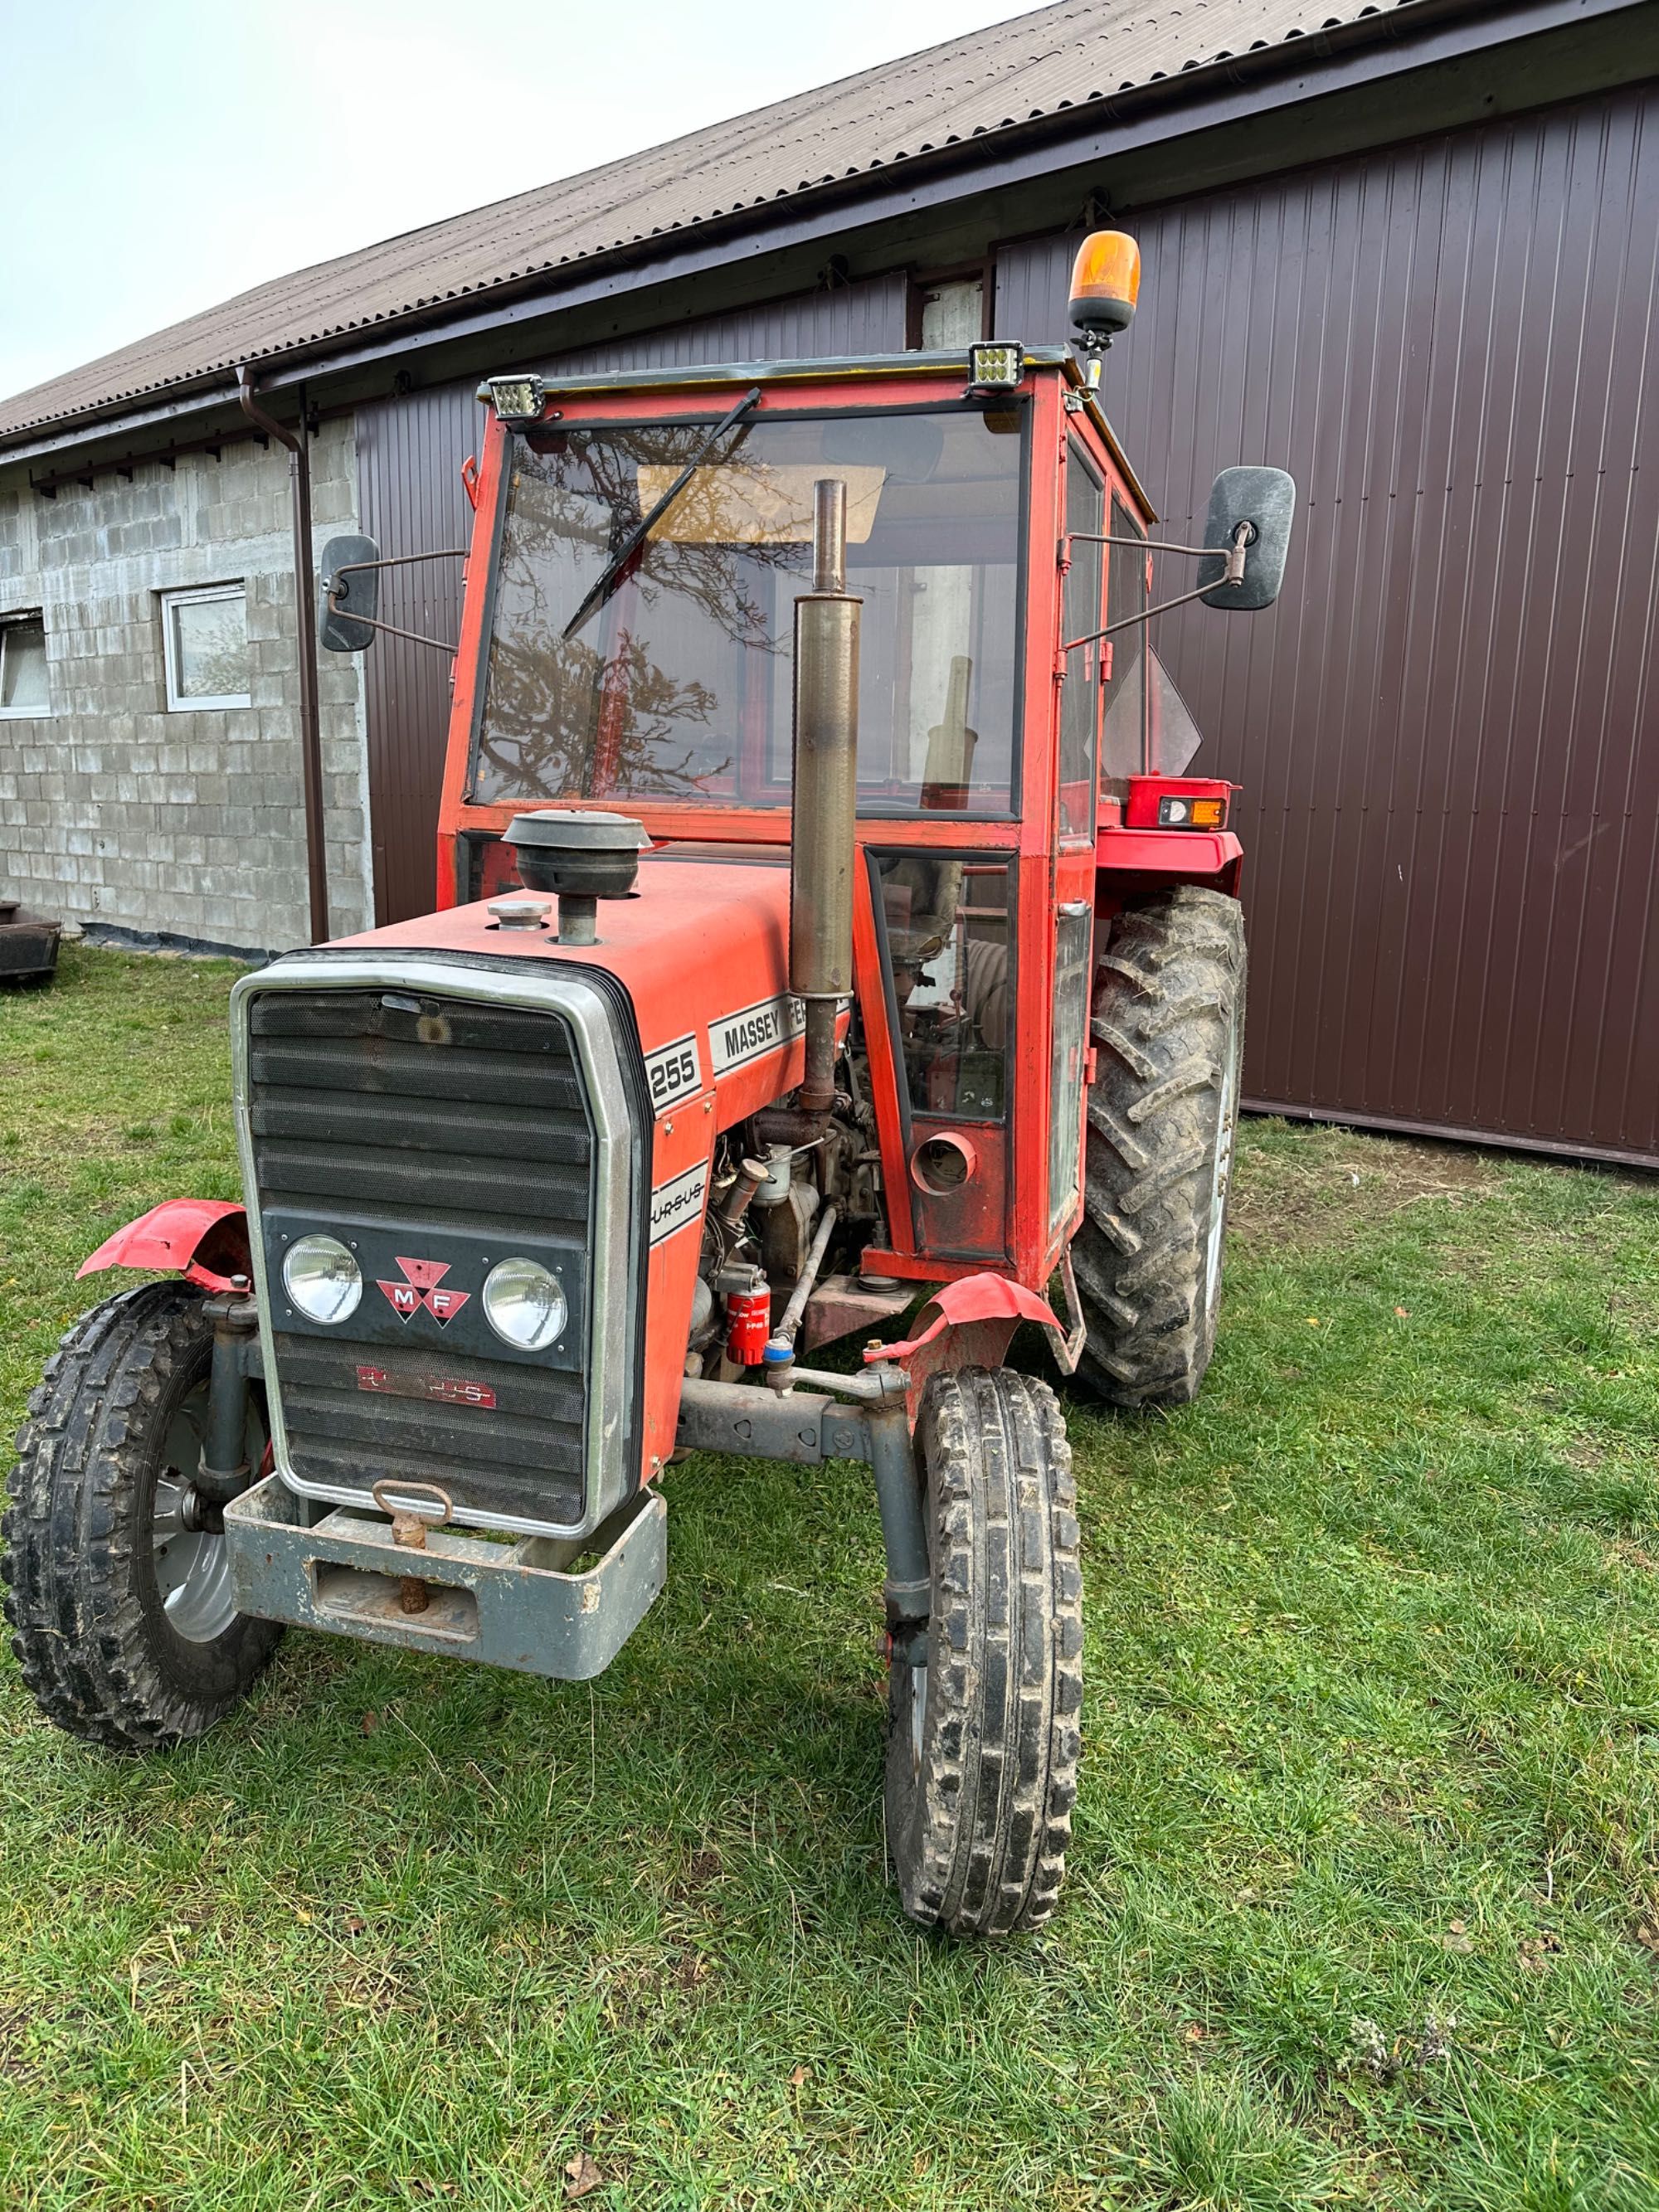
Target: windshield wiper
x=613 y=569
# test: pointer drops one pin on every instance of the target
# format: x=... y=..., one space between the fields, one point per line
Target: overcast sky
x=159 y=155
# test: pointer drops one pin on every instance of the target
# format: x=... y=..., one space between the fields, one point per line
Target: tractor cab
x=628 y=644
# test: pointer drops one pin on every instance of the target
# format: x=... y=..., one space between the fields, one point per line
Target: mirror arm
x=1233 y=555
x=1129 y=622
x=370 y=621
x=397 y=560
x=333 y=592
x=1146 y=544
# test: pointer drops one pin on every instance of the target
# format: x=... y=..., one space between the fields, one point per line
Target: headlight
x=322 y=1279
x=524 y=1305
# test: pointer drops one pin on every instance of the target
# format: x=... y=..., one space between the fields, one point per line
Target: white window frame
x=177 y=704
x=13 y=618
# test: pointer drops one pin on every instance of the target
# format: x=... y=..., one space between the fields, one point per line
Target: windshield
x=676 y=685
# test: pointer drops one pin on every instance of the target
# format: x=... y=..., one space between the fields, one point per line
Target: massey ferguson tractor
x=826 y=917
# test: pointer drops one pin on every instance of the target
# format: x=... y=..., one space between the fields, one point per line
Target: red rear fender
x=202 y=1239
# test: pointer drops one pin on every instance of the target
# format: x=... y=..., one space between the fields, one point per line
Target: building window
x=948 y=314
x=205 y=637
x=23 y=689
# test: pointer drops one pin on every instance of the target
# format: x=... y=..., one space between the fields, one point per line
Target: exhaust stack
x=825 y=794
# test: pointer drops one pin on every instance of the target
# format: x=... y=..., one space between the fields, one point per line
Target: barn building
x=1409 y=250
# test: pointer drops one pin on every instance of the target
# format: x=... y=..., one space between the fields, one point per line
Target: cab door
x=1087 y=668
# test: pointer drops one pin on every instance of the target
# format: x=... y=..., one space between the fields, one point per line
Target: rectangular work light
x=515 y=398
x=995 y=366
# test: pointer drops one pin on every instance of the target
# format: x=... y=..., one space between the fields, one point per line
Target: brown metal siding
x=409 y=451
x=864 y=317
x=1448 y=731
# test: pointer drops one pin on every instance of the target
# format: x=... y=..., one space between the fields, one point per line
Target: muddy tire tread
x=1168 y=985
x=79 y=1630
x=986 y=1826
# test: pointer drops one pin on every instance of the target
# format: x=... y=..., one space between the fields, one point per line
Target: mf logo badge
x=420 y=1288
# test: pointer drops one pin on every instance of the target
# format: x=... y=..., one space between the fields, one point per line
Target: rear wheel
x=119 y=1595
x=1169 y=1030
x=982 y=1741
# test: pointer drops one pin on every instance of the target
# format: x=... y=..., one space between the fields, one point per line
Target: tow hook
x=406 y=1504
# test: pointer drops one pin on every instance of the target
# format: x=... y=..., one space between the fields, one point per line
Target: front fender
x=968 y=1323
x=203 y=1239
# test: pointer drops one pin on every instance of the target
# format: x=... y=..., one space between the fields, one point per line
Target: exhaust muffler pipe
x=822 y=852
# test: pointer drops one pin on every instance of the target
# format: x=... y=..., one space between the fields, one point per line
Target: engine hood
x=701 y=949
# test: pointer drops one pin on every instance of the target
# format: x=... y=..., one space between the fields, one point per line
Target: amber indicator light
x=1174 y=813
x=1105 y=282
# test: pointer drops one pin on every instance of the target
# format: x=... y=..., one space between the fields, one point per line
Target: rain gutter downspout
x=305 y=602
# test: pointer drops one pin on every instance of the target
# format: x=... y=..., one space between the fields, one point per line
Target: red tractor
x=825 y=913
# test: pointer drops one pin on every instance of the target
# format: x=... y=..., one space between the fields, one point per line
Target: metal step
x=514 y=1604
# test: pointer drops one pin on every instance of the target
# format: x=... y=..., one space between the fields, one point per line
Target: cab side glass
x=1172 y=736
x=945 y=935
x=1079 y=694
x=1123 y=737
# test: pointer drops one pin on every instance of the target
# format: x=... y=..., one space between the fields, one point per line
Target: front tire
x=983 y=1740
x=122 y=1616
x=1169 y=1030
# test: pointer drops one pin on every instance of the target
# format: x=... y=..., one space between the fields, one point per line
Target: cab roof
x=843 y=368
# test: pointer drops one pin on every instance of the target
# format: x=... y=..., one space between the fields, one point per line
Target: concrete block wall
x=114 y=811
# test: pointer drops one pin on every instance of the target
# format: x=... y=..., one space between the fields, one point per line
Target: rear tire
x=982 y=1742
x=122 y=1617
x=1168 y=1031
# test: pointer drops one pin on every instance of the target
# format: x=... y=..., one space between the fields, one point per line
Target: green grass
x=1363 y=1907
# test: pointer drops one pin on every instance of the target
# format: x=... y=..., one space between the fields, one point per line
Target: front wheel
x=119 y=1595
x=982 y=1736
x=1169 y=1030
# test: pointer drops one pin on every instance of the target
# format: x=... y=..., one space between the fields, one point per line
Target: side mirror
x=1265 y=499
x=350 y=593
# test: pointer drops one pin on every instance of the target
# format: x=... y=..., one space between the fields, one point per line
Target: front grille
x=448 y=1132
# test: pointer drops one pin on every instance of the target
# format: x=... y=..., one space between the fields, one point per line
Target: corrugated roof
x=1015 y=74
